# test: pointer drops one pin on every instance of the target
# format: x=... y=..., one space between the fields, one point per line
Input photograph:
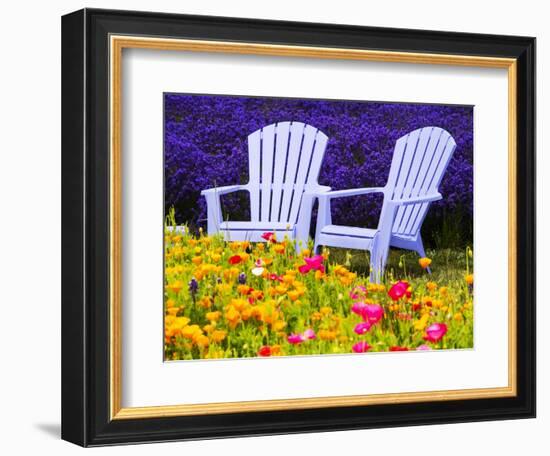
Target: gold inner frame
x=117 y=44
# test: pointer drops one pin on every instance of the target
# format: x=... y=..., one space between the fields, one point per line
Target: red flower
x=235 y=259
x=275 y=277
x=398 y=290
x=416 y=306
x=265 y=351
x=397 y=348
x=269 y=236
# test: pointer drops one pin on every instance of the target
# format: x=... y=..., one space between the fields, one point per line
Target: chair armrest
x=317 y=191
x=323 y=189
x=351 y=192
x=304 y=218
x=223 y=190
x=417 y=199
x=213 y=205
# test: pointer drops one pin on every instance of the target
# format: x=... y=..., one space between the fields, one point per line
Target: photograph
x=300 y=227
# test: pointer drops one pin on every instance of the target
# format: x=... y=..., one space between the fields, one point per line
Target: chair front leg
x=381 y=243
x=324 y=218
x=378 y=258
x=214 y=213
x=304 y=222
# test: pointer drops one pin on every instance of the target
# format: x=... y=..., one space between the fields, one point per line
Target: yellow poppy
x=293 y=295
x=175 y=287
x=326 y=310
x=279 y=248
x=432 y=286
x=424 y=262
x=205 y=302
x=213 y=316
x=325 y=334
x=218 y=336
x=421 y=323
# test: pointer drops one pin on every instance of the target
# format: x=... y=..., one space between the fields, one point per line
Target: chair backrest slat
x=419 y=163
x=294 y=151
x=266 y=167
x=429 y=144
x=404 y=171
x=281 y=154
x=254 y=159
x=447 y=151
x=417 y=171
x=313 y=149
x=284 y=161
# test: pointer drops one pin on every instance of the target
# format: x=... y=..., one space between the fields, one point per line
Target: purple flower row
x=206 y=145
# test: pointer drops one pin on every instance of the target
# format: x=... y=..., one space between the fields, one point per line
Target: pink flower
x=435 y=332
x=373 y=313
x=362 y=328
x=398 y=290
x=423 y=347
x=309 y=334
x=269 y=236
x=312 y=264
x=275 y=277
x=358 y=308
x=358 y=292
x=295 y=339
x=361 y=347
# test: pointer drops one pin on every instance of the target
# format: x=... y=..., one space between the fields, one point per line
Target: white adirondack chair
x=284 y=162
x=419 y=162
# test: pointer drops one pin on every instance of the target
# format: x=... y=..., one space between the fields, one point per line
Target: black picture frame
x=85 y=228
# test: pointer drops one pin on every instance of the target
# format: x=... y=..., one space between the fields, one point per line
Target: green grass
x=448 y=265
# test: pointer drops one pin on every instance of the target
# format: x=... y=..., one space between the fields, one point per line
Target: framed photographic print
x=276 y=227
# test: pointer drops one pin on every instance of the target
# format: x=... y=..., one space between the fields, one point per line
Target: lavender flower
x=205 y=142
x=193 y=287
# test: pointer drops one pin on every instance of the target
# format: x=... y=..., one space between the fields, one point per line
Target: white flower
x=257 y=271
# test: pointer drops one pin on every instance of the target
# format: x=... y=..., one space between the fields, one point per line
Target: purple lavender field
x=206 y=146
